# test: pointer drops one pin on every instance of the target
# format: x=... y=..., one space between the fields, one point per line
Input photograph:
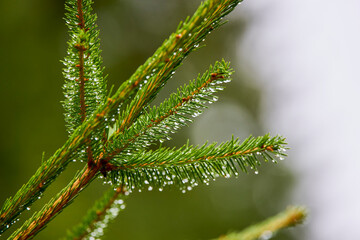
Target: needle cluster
x=116 y=135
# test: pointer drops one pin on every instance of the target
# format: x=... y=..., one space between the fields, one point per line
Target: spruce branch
x=83 y=64
x=121 y=153
x=162 y=65
x=292 y=216
x=174 y=113
x=189 y=166
x=85 y=86
x=187 y=37
x=99 y=216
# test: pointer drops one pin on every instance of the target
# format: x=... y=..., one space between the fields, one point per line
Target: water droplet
x=266 y=235
x=28 y=208
x=189 y=188
x=256 y=172
x=150 y=188
x=281 y=158
x=160 y=189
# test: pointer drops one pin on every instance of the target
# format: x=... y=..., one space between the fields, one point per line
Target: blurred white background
x=307 y=55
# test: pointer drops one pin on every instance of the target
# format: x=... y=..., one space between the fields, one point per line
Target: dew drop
x=28 y=208
x=150 y=188
x=256 y=172
x=266 y=235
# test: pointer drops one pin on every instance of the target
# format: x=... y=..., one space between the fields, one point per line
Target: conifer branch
x=267 y=229
x=171 y=115
x=99 y=216
x=150 y=77
x=85 y=86
x=132 y=175
x=84 y=38
x=189 y=166
x=186 y=38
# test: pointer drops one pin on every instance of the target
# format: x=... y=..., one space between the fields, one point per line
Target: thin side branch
x=267 y=229
x=99 y=216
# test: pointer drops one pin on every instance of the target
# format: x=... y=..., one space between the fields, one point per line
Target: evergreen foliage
x=113 y=133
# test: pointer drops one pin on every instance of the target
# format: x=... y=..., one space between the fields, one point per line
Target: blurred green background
x=33 y=41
